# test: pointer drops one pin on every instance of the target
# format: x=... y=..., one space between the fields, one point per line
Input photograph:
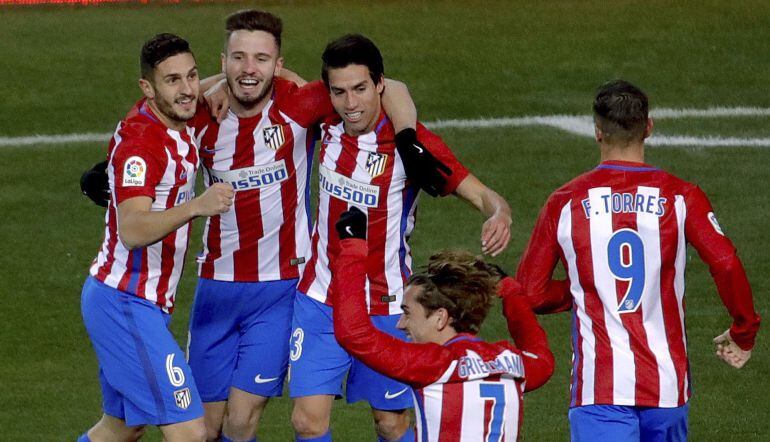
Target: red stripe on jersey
x=451 y=412
x=647 y=389
x=248 y=213
x=346 y=164
x=213 y=247
x=581 y=238
x=378 y=234
x=106 y=268
x=286 y=233
x=669 y=304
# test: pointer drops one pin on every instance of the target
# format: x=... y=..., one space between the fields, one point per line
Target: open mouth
x=185 y=101
x=354 y=117
x=248 y=83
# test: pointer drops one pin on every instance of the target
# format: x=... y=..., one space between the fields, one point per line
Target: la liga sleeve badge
x=134 y=172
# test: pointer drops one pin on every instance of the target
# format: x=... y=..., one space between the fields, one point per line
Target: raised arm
x=527 y=334
x=414 y=364
x=399 y=106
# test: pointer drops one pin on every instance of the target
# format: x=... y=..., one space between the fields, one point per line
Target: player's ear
x=598 y=135
x=442 y=318
x=649 y=128
x=278 y=66
x=380 y=86
x=223 y=59
x=147 y=89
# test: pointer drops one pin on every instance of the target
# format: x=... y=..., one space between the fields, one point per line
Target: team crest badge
x=375 y=164
x=182 y=398
x=273 y=137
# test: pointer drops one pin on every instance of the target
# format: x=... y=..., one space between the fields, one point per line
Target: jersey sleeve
x=414 y=364
x=136 y=171
x=307 y=105
x=527 y=334
x=538 y=262
x=704 y=233
x=443 y=153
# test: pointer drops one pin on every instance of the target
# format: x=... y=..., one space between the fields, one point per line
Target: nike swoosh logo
x=347 y=229
x=419 y=149
x=396 y=394
x=258 y=379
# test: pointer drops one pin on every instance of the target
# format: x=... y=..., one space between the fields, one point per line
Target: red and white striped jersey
x=147 y=159
x=265 y=236
x=367 y=172
x=622 y=231
x=465 y=390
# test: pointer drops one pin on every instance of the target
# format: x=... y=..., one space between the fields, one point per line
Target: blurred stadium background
x=72 y=70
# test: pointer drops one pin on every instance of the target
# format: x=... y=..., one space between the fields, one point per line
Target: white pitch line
x=575 y=124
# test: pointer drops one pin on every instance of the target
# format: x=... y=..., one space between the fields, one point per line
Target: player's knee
x=213 y=432
x=308 y=423
x=391 y=425
x=241 y=422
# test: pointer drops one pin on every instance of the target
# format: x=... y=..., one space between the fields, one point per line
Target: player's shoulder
x=140 y=132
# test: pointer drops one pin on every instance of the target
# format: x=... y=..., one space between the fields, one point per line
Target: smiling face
x=173 y=90
x=249 y=64
x=419 y=325
x=355 y=97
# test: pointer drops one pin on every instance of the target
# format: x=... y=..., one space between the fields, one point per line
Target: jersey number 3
x=625 y=257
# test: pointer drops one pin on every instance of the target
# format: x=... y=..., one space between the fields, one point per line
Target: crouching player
x=465 y=389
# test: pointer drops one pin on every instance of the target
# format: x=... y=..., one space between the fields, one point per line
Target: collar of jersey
x=462 y=337
x=626 y=166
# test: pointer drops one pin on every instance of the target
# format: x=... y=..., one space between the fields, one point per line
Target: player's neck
x=445 y=335
x=243 y=111
x=168 y=122
x=633 y=152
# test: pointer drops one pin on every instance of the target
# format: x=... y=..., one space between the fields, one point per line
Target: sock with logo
x=326 y=437
x=84 y=437
x=407 y=437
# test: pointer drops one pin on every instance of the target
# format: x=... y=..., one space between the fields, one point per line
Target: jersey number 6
x=625 y=257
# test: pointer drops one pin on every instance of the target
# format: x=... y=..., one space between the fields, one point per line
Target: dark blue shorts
x=142 y=371
x=624 y=423
x=319 y=364
x=239 y=337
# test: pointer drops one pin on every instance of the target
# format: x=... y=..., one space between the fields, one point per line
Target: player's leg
x=390 y=400
x=263 y=354
x=192 y=431
x=110 y=429
x=317 y=368
x=212 y=347
x=591 y=423
x=144 y=377
x=663 y=424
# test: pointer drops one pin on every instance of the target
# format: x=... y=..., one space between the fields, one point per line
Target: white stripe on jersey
x=587 y=349
x=623 y=373
x=648 y=227
x=679 y=266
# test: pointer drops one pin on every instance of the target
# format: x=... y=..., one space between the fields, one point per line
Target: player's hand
x=95 y=185
x=420 y=165
x=215 y=200
x=352 y=224
x=495 y=234
x=728 y=351
x=218 y=100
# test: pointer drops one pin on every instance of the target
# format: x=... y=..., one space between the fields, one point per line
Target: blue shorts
x=615 y=422
x=239 y=337
x=142 y=371
x=319 y=364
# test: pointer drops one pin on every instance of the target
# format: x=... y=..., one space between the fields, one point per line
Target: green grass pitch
x=73 y=70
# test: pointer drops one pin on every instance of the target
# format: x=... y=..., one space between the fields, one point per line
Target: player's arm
x=705 y=235
x=139 y=226
x=527 y=334
x=496 y=231
x=288 y=74
x=399 y=106
x=414 y=364
x=538 y=262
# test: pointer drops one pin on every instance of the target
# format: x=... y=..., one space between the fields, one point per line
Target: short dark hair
x=159 y=48
x=352 y=49
x=254 y=20
x=460 y=282
x=621 y=111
